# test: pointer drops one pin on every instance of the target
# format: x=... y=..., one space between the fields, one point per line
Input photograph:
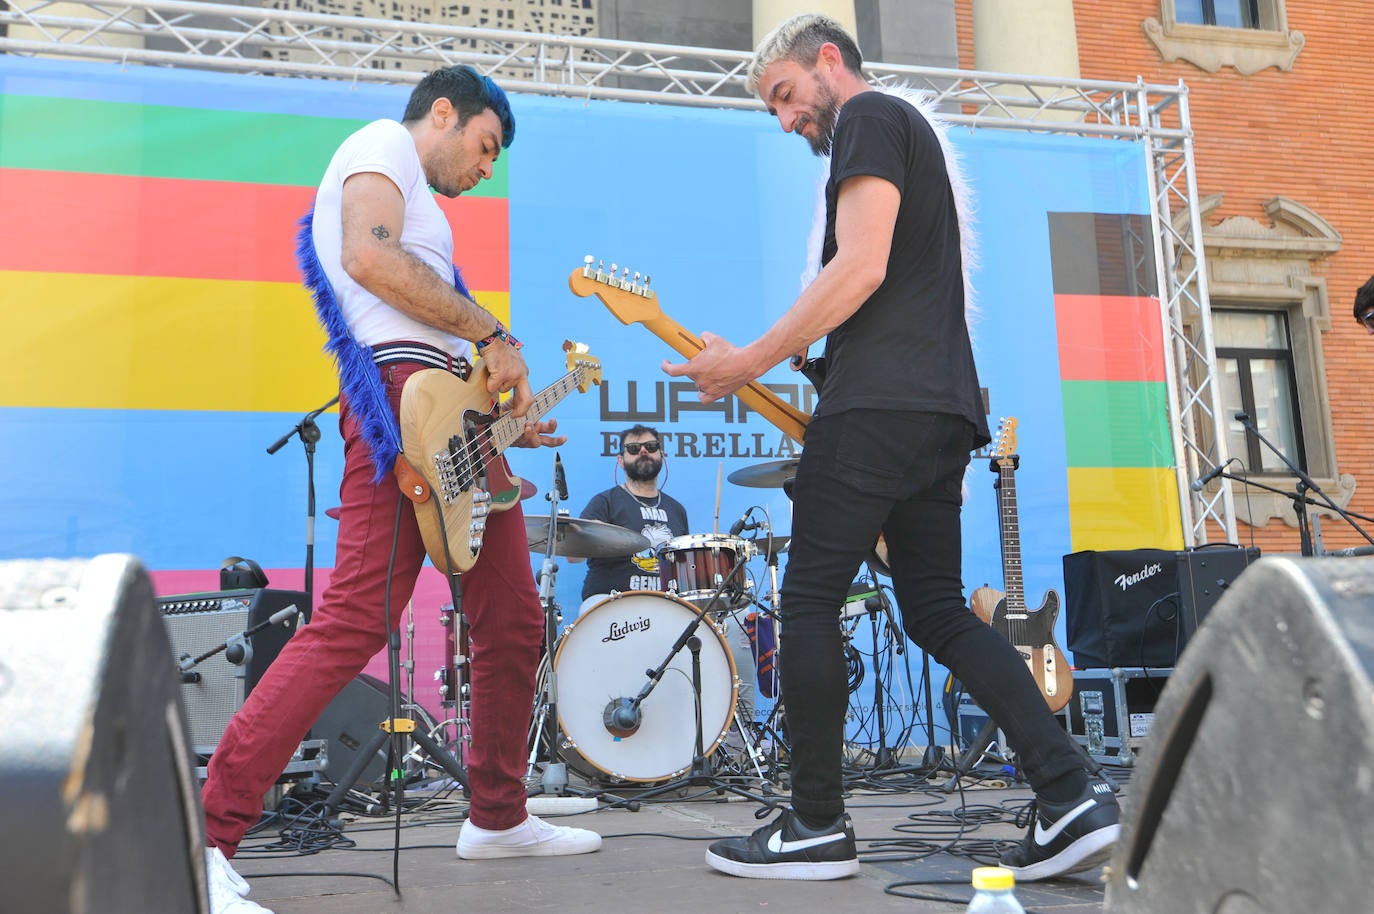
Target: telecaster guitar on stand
x=1030 y=632
x=453 y=434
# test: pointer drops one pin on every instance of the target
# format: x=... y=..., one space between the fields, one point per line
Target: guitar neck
x=788 y=419
x=508 y=429
x=1011 y=539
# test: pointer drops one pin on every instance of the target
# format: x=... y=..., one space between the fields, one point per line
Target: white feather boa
x=963 y=199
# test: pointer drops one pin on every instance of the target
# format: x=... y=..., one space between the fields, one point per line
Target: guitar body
x=436 y=406
x=983 y=602
x=1031 y=632
x=451 y=466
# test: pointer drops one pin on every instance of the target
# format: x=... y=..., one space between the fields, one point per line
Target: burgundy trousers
x=499 y=600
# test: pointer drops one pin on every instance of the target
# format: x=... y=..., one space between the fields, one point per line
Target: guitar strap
x=359 y=380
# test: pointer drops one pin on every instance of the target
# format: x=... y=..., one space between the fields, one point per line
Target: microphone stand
x=1299 y=496
x=621 y=710
x=309 y=434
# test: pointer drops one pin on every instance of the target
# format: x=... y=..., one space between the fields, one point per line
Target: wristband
x=500 y=333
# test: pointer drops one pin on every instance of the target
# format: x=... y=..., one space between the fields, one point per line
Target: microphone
x=621 y=717
x=560 y=481
x=282 y=615
x=1213 y=474
x=743 y=524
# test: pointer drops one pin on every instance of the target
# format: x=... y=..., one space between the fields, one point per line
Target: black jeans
x=901 y=473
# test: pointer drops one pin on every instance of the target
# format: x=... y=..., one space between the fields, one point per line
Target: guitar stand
x=974 y=755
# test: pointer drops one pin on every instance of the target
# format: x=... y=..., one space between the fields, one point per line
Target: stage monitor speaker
x=349 y=721
x=101 y=810
x=1121 y=608
x=1254 y=792
x=200 y=622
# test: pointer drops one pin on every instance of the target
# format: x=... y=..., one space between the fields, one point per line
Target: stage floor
x=652 y=860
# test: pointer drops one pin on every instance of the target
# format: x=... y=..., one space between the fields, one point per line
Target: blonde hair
x=800 y=39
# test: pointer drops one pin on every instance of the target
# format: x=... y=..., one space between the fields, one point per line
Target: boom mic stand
x=309 y=434
x=1299 y=495
x=622 y=715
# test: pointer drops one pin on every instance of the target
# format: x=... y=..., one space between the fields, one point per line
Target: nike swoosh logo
x=779 y=846
x=1044 y=836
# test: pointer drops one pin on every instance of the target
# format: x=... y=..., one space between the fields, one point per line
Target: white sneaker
x=531 y=838
x=228 y=890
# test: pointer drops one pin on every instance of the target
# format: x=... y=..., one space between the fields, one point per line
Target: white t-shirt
x=387 y=148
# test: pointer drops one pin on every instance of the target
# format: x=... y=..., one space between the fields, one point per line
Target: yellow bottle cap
x=993 y=877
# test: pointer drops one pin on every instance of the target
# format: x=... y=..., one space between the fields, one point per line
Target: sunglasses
x=633 y=450
x=1367 y=318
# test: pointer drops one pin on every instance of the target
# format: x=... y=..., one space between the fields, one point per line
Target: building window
x=1255 y=371
x=1249 y=35
x=1234 y=14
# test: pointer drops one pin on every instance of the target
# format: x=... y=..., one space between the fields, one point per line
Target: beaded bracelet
x=500 y=333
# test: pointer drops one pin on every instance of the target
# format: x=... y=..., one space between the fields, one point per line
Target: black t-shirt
x=907 y=347
x=659 y=521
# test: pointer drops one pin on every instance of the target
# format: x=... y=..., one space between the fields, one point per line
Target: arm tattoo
x=380 y=232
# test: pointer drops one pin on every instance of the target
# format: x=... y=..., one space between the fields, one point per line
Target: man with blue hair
x=378 y=254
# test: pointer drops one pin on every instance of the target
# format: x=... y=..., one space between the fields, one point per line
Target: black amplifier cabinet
x=200 y=622
x=1112 y=710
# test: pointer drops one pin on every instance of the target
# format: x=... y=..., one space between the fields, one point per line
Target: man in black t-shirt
x=886 y=450
x=636 y=504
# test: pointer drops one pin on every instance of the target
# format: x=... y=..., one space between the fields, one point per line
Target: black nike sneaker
x=787 y=849
x=1066 y=837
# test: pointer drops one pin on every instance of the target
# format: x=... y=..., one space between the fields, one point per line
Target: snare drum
x=604 y=655
x=693 y=567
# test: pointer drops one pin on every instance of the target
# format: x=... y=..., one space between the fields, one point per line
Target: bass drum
x=605 y=654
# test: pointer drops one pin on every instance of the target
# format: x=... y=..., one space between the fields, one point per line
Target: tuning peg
x=600 y=276
x=587 y=265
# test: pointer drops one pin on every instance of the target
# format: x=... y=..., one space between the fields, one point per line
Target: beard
x=823 y=115
x=642 y=469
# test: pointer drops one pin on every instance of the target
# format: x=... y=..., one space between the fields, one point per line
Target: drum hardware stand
x=310 y=435
x=622 y=715
x=555 y=779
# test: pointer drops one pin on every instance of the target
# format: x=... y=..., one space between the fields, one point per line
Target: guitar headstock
x=1004 y=452
x=580 y=358
x=627 y=295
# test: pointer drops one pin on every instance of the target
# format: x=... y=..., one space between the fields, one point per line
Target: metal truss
x=253 y=39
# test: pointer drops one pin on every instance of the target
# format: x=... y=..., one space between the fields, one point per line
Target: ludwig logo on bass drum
x=619 y=630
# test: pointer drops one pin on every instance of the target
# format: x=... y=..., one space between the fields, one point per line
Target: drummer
x=636 y=504
x=639 y=504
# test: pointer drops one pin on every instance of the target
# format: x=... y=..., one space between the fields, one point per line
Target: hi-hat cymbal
x=770 y=475
x=582 y=538
x=763 y=544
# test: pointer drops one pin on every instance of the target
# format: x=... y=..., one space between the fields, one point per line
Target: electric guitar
x=633 y=302
x=452 y=438
x=1031 y=632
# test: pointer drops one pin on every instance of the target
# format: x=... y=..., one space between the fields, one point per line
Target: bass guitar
x=453 y=433
x=1031 y=632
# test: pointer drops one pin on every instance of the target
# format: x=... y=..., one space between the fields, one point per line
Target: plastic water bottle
x=994 y=892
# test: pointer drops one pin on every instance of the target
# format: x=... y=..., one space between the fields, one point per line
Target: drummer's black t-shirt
x=659 y=520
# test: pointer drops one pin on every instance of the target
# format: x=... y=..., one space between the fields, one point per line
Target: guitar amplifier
x=200 y=622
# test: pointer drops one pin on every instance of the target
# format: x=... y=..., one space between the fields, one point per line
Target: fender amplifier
x=200 y=622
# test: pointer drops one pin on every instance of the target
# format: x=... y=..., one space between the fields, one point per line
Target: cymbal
x=761 y=545
x=582 y=538
x=770 y=475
